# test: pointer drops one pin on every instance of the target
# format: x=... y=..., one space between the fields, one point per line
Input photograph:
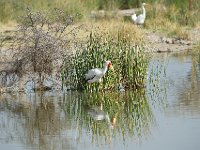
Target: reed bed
x=129 y=62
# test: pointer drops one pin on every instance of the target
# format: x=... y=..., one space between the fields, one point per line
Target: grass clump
x=129 y=62
x=163 y=20
x=173 y=18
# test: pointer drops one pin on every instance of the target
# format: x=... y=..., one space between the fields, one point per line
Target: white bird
x=139 y=20
x=96 y=74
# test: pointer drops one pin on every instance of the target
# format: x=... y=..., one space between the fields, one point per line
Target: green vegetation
x=121 y=45
x=128 y=60
x=173 y=10
x=169 y=16
x=11 y=9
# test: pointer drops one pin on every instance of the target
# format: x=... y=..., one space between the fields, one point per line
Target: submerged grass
x=129 y=62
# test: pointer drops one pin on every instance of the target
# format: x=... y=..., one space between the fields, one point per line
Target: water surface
x=164 y=116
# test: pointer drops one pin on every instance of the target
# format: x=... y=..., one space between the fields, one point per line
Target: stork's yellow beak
x=111 y=67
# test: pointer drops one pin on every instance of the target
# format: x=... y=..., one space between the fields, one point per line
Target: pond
x=164 y=116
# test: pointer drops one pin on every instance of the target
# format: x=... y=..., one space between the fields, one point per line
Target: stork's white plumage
x=96 y=74
x=140 y=18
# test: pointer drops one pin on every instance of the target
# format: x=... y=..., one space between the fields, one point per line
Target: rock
x=163 y=39
x=176 y=41
x=169 y=41
x=184 y=42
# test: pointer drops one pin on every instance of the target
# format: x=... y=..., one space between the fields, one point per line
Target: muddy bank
x=157 y=42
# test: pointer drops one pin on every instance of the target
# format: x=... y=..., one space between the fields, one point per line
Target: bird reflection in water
x=97 y=114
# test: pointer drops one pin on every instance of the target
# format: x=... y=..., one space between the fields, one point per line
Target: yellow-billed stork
x=96 y=74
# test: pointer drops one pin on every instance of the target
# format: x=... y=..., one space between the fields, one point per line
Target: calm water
x=165 y=116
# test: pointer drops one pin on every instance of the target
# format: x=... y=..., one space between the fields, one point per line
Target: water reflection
x=61 y=121
x=32 y=122
x=189 y=95
x=109 y=120
x=124 y=115
x=182 y=83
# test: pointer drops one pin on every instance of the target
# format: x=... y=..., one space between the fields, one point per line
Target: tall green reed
x=129 y=62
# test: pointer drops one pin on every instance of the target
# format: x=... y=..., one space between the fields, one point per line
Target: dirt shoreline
x=158 y=43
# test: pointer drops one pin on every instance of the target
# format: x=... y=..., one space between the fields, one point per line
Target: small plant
x=129 y=63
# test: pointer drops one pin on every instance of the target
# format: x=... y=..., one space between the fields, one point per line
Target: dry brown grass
x=11 y=25
x=117 y=28
x=161 y=20
x=197 y=25
x=180 y=33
